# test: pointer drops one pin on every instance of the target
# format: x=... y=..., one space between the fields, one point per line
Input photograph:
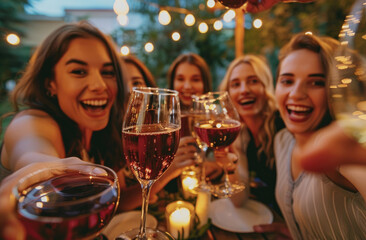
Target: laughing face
x=188 y=81
x=246 y=91
x=300 y=91
x=85 y=84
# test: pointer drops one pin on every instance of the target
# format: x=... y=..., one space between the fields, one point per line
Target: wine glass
x=348 y=82
x=74 y=201
x=150 y=140
x=217 y=123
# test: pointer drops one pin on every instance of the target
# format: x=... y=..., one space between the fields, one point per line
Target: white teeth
x=246 y=100
x=95 y=102
x=298 y=108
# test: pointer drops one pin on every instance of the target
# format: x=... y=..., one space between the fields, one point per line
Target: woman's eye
x=137 y=84
x=319 y=83
x=234 y=84
x=253 y=81
x=80 y=72
x=196 y=79
x=286 y=81
x=108 y=73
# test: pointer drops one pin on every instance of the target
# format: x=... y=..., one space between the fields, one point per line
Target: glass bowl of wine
x=74 y=201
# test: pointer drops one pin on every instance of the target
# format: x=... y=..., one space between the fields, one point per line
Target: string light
x=149 y=47
x=125 y=50
x=189 y=20
x=122 y=20
x=13 y=39
x=257 y=23
x=176 y=36
x=121 y=7
x=203 y=27
x=211 y=3
x=164 y=17
x=218 y=25
x=229 y=15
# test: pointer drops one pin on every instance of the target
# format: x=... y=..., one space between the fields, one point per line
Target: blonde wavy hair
x=267 y=131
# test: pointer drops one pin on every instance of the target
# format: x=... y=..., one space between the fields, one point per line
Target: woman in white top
x=315 y=206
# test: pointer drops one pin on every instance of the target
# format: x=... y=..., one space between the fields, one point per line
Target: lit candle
x=188 y=184
x=179 y=217
x=179 y=222
x=202 y=206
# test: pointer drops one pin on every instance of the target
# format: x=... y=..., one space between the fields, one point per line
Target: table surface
x=215 y=233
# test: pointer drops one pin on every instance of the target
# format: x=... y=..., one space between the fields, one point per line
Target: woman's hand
x=329 y=148
x=280 y=229
x=10 y=226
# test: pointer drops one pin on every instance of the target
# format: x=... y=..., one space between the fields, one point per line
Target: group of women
x=75 y=97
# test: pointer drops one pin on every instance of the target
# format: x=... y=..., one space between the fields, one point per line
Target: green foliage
x=322 y=17
x=12 y=58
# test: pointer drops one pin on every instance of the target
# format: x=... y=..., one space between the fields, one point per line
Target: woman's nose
x=298 y=91
x=244 y=87
x=97 y=82
x=187 y=84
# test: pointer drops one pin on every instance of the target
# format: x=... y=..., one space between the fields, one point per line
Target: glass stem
x=146 y=187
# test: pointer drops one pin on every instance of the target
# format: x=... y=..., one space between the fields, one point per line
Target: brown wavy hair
x=32 y=88
x=193 y=59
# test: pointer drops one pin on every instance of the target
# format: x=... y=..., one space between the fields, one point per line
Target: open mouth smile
x=298 y=112
x=94 y=104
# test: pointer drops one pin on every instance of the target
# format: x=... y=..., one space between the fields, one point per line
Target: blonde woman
x=249 y=83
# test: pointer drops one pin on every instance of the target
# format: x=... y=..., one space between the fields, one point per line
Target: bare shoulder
x=34 y=123
x=32 y=116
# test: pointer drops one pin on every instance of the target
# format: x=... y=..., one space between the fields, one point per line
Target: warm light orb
x=176 y=36
x=211 y=3
x=121 y=7
x=13 y=39
x=203 y=27
x=125 y=50
x=164 y=17
x=257 y=23
x=229 y=15
x=218 y=25
x=189 y=20
x=149 y=47
x=122 y=20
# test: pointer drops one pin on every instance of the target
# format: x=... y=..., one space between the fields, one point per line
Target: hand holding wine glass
x=218 y=125
x=74 y=201
x=150 y=140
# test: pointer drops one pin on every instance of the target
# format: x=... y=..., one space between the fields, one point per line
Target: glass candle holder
x=180 y=219
x=190 y=180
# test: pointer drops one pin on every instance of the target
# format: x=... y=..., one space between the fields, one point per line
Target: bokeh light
x=164 y=17
x=189 y=20
x=13 y=39
x=176 y=36
x=149 y=47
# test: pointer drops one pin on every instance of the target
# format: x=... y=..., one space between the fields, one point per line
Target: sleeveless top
x=313 y=206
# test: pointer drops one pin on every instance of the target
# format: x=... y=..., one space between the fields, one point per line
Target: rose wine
x=218 y=133
x=59 y=207
x=150 y=149
x=185 y=128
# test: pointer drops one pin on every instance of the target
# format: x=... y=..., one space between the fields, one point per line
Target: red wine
x=185 y=129
x=58 y=209
x=233 y=3
x=150 y=149
x=218 y=134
